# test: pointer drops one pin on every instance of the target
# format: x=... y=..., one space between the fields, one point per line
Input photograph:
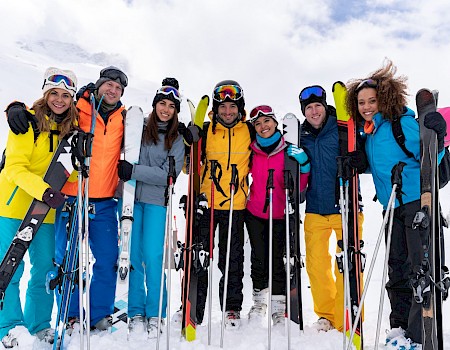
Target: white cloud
x=272 y=48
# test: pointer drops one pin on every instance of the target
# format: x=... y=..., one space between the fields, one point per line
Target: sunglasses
x=309 y=91
x=367 y=83
x=114 y=74
x=260 y=111
x=57 y=79
x=233 y=92
x=167 y=90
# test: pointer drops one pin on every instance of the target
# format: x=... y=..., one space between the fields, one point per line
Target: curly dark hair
x=391 y=92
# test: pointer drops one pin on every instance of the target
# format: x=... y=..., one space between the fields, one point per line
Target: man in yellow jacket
x=227 y=140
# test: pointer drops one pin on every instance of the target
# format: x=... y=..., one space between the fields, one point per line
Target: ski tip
x=205 y=97
x=338 y=84
x=135 y=107
x=189 y=332
x=290 y=116
x=424 y=96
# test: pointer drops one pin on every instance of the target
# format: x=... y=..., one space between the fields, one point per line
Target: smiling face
x=228 y=112
x=367 y=103
x=111 y=92
x=165 y=110
x=59 y=100
x=315 y=114
x=265 y=126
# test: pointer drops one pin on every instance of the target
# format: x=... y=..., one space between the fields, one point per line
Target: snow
x=29 y=62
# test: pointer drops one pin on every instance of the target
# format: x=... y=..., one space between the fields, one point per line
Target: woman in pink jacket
x=268 y=152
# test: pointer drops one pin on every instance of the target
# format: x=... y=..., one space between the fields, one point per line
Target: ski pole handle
x=234 y=176
x=288 y=180
x=213 y=175
x=171 y=175
x=396 y=178
x=340 y=167
x=269 y=184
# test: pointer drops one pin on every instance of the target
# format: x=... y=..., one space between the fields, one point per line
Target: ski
x=56 y=176
x=291 y=134
x=77 y=213
x=134 y=122
x=347 y=136
x=427 y=219
x=189 y=285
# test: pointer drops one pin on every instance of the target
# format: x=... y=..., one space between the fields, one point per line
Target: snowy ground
x=255 y=336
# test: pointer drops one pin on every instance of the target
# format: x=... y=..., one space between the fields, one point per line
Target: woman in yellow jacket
x=27 y=158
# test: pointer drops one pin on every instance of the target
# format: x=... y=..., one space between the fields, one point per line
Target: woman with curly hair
x=375 y=102
x=28 y=156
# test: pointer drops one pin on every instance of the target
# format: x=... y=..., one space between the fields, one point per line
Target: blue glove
x=300 y=156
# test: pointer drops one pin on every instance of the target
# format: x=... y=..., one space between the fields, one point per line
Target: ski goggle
x=233 y=92
x=114 y=74
x=58 y=79
x=309 y=91
x=167 y=90
x=367 y=83
x=260 y=111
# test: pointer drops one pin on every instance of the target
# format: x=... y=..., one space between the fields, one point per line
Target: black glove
x=192 y=134
x=125 y=170
x=436 y=122
x=19 y=118
x=357 y=160
x=85 y=91
x=52 y=198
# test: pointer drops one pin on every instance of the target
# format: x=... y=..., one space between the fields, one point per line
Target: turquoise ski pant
x=147 y=245
x=38 y=303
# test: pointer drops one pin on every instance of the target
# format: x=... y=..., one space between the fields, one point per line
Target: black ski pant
x=236 y=265
x=405 y=256
x=258 y=232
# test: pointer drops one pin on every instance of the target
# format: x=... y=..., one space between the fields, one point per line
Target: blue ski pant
x=38 y=304
x=103 y=242
x=147 y=246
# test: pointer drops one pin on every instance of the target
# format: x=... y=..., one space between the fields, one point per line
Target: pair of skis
x=75 y=265
x=353 y=261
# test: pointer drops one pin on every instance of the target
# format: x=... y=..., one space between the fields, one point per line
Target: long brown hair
x=151 y=130
x=391 y=92
x=42 y=110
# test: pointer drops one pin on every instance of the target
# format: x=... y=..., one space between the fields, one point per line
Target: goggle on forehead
x=114 y=74
x=167 y=90
x=57 y=79
x=309 y=91
x=260 y=111
x=233 y=92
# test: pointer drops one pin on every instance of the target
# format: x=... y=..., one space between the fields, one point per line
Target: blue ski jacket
x=322 y=150
x=383 y=153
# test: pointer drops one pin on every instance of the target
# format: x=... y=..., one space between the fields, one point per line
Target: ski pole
x=171 y=177
x=213 y=178
x=288 y=187
x=80 y=209
x=87 y=211
x=233 y=185
x=269 y=203
x=397 y=183
x=396 y=188
x=343 y=204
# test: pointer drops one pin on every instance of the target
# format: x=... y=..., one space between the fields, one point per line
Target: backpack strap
x=399 y=136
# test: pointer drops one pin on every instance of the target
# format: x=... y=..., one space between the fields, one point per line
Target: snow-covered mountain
x=21 y=70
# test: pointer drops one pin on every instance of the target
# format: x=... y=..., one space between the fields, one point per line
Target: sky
x=273 y=49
